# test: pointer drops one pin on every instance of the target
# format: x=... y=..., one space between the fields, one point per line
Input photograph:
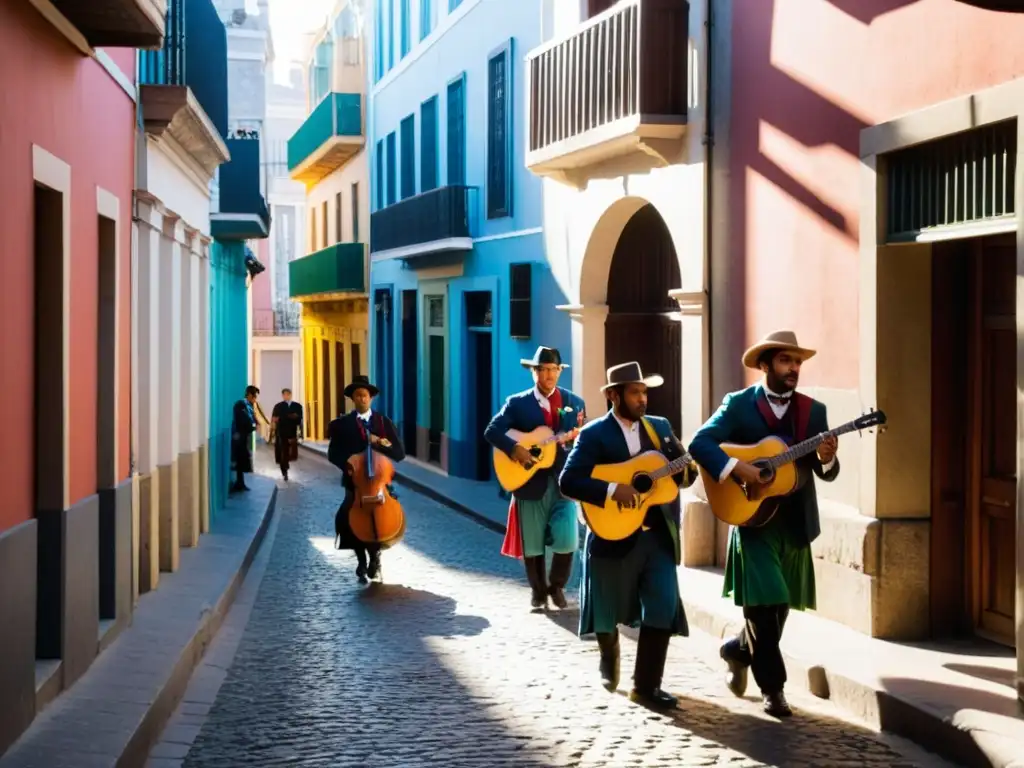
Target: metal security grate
x=947 y=184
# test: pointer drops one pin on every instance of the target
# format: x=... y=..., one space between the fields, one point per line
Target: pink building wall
x=807 y=76
x=261 y=297
x=53 y=96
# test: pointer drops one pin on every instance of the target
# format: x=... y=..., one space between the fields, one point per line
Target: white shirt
x=542 y=399
x=365 y=416
x=630 y=431
x=780 y=410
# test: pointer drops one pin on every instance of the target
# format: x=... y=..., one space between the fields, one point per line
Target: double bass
x=376 y=516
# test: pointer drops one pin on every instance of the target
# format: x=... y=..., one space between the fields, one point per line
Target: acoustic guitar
x=650 y=473
x=739 y=504
x=542 y=443
x=376 y=516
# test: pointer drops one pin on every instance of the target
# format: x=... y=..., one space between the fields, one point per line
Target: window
x=406 y=28
x=499 y=177
x=355 y=212
x=453 y=4
x=457 y=132
x=428 y=144
x=380 y=174
x=435 y=311
x=426 y=18
x=408 y=138
x=378 y=49
x=337 y=219
x=392 y=168
x=391 y=34
x=323 y=224
x=346 y=31
x=320 y=72
x=519 y=301
x=357 y=355
x=312 y=230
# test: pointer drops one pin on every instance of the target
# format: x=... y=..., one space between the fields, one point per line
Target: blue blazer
x=522 y=412
x=601 y=442
x=739 y=420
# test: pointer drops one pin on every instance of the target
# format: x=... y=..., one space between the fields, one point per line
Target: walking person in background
x=286 y=431
x=243 y=426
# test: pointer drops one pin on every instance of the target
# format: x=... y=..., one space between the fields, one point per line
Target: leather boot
x=651 y=652
x=536 y=574
x=561 y=569
x=608 y=642
x=775 y=704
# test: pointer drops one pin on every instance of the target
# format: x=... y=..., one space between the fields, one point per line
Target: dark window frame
x=500 y=146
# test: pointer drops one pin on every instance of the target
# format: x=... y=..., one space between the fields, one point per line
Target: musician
x=285 y=431
x=768 y=569
x=349 y=435
x=632 y=581
x=539 y=514
x=243 y=425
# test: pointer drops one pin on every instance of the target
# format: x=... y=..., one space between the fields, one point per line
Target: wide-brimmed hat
x=776 y=340
x=361 y=382
x=544 y=356
x=630 y=373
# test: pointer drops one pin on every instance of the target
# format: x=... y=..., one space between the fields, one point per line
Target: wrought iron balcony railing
x=434 y=221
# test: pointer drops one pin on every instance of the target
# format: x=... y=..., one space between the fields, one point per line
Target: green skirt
x=769 y=566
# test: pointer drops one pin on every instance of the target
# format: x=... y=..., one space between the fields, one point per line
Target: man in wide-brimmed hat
x=539 y=516
x=631 y=581
x=349 y=435
x=768 y=569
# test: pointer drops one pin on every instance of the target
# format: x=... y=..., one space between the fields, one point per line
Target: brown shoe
x=558 y=598
x=736 y=673
x=775 y=704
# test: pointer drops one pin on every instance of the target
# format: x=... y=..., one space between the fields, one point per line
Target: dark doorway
x=326 y=387
x=436 y=397
x=49 y=438
x=106 y=409
x=481 y=371
x=641 y=323
x=312 y=401
x=410 y=370
x=339 y=381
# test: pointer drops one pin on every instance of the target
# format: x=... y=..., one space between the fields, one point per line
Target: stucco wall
x=355 y=171
x=67 y=104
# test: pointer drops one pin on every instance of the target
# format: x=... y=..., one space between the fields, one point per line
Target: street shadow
x=866 y=11
x=992 y=674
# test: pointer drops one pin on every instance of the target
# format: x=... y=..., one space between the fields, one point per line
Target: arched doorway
x=641 y=323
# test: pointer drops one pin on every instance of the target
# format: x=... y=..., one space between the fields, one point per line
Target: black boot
x=775 y=704
x=561 y=570
x=608 y=642
x=651 y=652
x=737 y=662
x=361 y=567
x=536 y=574
x=373 y=571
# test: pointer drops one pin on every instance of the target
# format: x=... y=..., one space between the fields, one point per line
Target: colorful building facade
x=461 y=285
x=67 y=149
x=327 y=154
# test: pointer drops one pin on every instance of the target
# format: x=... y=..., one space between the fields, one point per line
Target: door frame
x=428 y=290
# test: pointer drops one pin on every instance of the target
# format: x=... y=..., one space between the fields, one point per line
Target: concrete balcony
x=243 y=213
x=117 y=23
x=434 y=222
x=336 y=272
x=331 y=136
x=611 y=96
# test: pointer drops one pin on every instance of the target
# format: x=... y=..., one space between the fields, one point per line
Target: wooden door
x=993 y=390
x=410 y=370
x=325 y=390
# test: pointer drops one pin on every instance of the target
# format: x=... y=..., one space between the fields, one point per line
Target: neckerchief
x=551 y=414
x=799 y=413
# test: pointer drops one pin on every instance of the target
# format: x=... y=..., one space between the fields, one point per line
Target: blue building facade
x=460 y=286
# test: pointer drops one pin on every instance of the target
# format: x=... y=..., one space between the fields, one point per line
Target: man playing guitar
x=539 y=515
x=768 y=569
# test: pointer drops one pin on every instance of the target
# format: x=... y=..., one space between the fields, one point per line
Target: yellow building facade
x=328 y=155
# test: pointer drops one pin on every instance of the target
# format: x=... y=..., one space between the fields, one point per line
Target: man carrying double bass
x=768 y=569
x=349 y=435
x=540 y=516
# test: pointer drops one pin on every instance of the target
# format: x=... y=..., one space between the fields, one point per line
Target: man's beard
x=781 y=385
x=626 y=414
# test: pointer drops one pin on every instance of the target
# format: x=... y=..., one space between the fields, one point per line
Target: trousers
x=757 y=646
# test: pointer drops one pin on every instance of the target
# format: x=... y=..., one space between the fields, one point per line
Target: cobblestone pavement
x=444 y=665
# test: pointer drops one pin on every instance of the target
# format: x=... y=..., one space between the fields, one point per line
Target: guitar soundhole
x=767 y=473
x=535 y=452
x=642 y=483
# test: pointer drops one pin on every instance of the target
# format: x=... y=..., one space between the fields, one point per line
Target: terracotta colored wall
x=53 y=96
x=807 y=76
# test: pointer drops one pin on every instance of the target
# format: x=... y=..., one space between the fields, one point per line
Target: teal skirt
x=769 y=566
x=548 y=522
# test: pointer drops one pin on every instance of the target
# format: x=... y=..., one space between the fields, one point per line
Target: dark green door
x=436 y=396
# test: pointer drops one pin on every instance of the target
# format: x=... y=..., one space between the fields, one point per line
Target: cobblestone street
x=444 y=665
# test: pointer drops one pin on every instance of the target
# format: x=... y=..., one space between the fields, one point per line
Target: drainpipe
x=709 y=153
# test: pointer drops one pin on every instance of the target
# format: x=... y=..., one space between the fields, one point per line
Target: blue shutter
x=457 y=132
x=380 y=174
x=391 y=34
x=426 y=18
x=406 y=28
x=428 y=145
x=391 y=169
x=453 y=4
x=499 y=183
x=408 y=138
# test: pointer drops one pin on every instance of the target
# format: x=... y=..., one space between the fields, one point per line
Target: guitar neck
x=672 y=468
x=561 y=437
x=809 y=445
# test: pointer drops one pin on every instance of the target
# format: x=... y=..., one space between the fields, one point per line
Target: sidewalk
x=115 y=713
x=956 y=699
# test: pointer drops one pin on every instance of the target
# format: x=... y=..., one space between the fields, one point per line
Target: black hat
x=544 y=356
x=630 y=373
x=361 y=382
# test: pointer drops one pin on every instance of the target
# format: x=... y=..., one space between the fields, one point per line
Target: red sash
x=799 y=412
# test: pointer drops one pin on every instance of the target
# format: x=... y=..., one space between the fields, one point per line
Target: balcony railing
x=243 y=210
x=336 y=269
x=618 y=80
x=432 y=222
x=263 y=322
x=117 y=23
x=194 y=54
x=331 y=136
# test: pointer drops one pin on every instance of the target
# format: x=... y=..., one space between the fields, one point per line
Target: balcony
x=331 y=136
x=335 y=272
x=613 y=93
x=243 y=211
x=117 y=23
x=434 y=222
x=183 y=87
x=263 y=322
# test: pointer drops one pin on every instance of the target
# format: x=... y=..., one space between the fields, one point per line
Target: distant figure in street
x=243 y=426
x=286 y=431
x=350 y=434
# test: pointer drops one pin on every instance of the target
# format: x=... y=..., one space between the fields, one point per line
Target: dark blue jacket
x=522 y=412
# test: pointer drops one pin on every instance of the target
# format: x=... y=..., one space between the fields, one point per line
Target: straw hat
x=776 y=340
